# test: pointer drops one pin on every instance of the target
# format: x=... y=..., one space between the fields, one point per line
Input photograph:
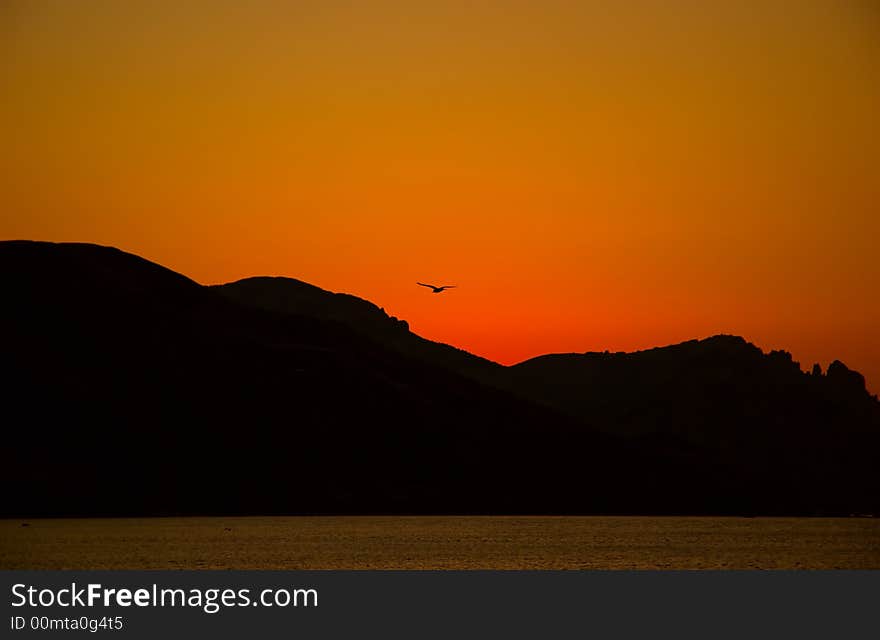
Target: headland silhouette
x=130 y=389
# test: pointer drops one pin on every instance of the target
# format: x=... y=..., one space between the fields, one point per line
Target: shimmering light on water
x=441 y=542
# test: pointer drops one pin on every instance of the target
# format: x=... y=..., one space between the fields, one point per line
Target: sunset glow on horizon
x=590 y=175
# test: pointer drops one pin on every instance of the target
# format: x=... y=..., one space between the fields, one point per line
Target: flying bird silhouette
x=436 y=289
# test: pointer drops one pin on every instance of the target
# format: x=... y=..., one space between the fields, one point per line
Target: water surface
x=441 y=542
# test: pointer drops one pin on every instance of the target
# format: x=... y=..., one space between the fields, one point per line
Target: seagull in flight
x=436 y=289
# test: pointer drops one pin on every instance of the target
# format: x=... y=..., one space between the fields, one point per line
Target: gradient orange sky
x=592 y=175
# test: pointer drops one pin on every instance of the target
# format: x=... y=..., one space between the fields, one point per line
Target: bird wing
x=422 y=284
x=448 y=286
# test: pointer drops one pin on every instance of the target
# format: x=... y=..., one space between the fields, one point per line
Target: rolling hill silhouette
x=129 y=389
x=287 y=295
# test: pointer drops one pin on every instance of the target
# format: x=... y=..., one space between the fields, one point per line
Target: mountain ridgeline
x=129 y=389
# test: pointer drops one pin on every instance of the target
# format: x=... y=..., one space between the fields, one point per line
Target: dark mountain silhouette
x=287 y=295
x=759 y=419
x=130 y=389
x=723 y=397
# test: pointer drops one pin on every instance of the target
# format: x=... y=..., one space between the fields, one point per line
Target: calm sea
x=441 y=542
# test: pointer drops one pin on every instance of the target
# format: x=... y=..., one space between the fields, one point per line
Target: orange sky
x=592 y=177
